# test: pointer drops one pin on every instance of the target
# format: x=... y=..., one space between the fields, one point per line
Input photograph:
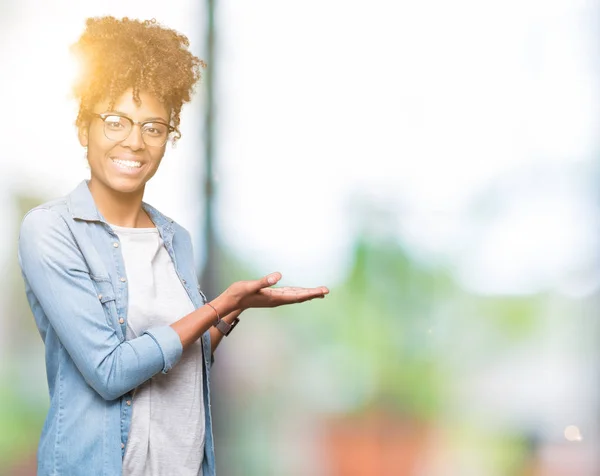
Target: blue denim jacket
x=76 y=286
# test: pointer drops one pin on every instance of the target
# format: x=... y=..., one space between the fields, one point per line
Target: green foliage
x=385 y=334
x=387 y=309
x=21 y=423
x=515 y=316
x=21 y=413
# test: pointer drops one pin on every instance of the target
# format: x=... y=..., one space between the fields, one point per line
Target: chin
x=122 y=185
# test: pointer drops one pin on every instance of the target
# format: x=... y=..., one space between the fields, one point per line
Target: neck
x=119 y=208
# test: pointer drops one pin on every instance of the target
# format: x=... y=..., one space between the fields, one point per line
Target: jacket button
x=99 y=296
x=122 y=445
x=122 y=280
x=121 y=320
x=115 y=244
x=128 y=402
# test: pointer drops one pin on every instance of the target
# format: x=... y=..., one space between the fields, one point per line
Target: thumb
x=269 y=280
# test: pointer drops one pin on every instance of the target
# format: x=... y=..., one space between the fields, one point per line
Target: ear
x=82 y=133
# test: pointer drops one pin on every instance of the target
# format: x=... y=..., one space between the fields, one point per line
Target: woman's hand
x=259 y=293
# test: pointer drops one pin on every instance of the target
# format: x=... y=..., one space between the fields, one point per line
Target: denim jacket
x=76 y=285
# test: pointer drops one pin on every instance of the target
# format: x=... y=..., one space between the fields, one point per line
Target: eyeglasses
x=118 y=128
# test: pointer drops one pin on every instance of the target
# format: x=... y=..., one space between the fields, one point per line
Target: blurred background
x=434 y=163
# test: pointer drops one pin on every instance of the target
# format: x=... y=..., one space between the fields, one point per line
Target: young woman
x=129 y=336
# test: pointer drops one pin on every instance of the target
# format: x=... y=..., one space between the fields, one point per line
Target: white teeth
x=127 y=163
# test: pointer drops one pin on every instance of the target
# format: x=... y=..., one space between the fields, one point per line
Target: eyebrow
x=148 y=119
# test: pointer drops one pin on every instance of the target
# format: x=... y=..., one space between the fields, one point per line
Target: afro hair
x=116 y=55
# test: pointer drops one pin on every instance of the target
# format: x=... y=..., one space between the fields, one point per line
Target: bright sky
x=423 y=108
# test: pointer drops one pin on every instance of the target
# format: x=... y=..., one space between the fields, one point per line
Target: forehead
x=149 y=106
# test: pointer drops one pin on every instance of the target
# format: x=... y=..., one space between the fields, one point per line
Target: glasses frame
x=105 y=115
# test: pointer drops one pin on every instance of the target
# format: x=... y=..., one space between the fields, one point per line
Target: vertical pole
x=210 y=278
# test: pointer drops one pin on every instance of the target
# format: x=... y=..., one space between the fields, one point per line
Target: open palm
x=259 y=293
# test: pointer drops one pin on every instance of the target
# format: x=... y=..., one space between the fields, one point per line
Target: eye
x=115 y=123
x=155 y=129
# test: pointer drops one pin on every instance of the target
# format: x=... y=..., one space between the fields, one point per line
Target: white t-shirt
x=167 y=426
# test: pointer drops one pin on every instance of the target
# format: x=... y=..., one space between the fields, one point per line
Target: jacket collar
x=82 y=207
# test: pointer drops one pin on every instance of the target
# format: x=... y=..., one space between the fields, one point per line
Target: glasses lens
x=155 y=133
x=116 y=127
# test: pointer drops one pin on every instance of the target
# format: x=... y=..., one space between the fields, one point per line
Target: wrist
x=232 y=316
x=223 y=304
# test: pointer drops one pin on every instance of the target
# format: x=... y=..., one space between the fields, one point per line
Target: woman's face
x=125 y=165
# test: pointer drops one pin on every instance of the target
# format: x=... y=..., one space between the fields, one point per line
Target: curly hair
x=116 y=55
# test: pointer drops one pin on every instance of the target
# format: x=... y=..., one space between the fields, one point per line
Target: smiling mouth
x=127 y=164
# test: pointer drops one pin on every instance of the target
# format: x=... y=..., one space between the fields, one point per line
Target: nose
x=134 y=140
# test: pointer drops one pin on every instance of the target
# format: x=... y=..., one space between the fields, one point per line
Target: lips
x=127 y=165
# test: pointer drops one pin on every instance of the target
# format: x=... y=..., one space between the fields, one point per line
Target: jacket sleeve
x=57 y=279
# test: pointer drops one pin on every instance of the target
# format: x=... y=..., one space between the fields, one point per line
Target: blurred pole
x=210 y=275
x=209 y=279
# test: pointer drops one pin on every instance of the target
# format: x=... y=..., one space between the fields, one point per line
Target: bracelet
x=218 y=317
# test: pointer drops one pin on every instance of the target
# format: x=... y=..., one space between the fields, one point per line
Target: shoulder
x=182 y=239
x=45 y=239
x=181 y=231
x=46 y=217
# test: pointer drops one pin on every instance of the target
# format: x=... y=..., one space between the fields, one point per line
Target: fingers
x=291 y=295
x=265 y=282
x=320 y=291
x=270 y=280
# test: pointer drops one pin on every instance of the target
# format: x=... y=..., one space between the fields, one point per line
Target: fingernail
x=271 y=280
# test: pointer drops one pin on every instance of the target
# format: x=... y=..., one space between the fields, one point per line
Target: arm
x=58 y=281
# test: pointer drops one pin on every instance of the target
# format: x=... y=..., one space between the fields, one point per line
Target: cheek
x=98 y=142
x=156 y=161
x=95 y=153
x=157 y=157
